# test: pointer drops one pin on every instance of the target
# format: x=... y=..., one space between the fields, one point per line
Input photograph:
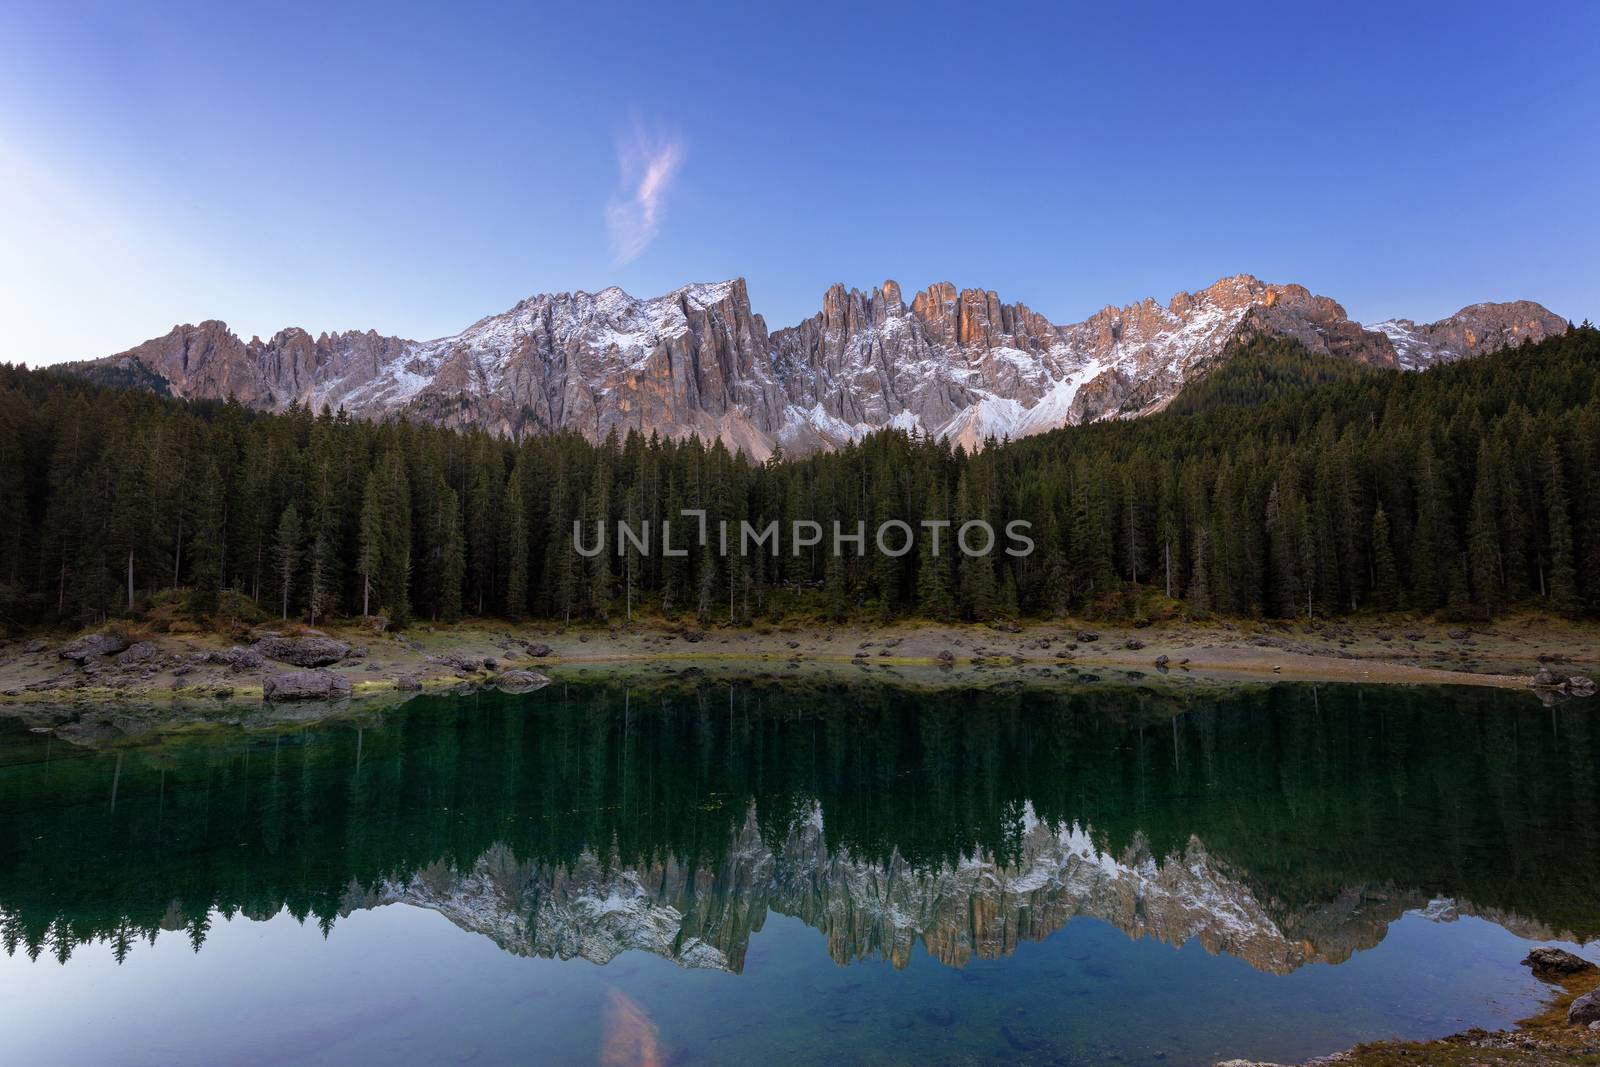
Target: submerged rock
x=520 y=681
x=1556 y=963
x=305 y=685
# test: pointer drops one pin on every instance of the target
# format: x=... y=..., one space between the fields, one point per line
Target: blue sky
x=413 y=169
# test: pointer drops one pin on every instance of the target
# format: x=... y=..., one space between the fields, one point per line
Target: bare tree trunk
x=366 y=593
x=130 y=579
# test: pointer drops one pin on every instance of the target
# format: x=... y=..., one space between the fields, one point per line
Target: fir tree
x=286 y=554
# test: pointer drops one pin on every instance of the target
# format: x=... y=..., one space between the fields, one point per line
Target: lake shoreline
x=227 y=668
x=1545 y=1039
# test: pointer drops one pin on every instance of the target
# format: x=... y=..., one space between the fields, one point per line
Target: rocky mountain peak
x=957 y=363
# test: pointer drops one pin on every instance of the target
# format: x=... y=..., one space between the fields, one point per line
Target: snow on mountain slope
x=961 y=365
x=1474 y=330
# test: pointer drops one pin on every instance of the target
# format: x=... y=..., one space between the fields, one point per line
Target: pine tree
x=934 y=571
x=1385 y=575
x=836 y=587
x=515 y=547
x=286 y=553
x=393 y=570
x=1563 y=576
x=452 y=555
x=1483 y=534
x=598 y=508
x=208 y=543
x=370 y=546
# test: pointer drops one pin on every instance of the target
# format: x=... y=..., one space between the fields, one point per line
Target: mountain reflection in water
x=1283 y=826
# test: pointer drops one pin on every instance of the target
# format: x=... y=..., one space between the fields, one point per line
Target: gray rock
x=1162 y=661
x=241 y=660
x=305 y=685
x=91 y=645
x=1545 y=678
x=540 y=651
x=139 y=652
x=461 y=662
x=33 y=647
x=312 y=650
x=1581 y=684
x=408 y=683
x=520 y=681
x=1087 y=635
x=1133 y=644
x=1555 y=963
x=1585 y=1011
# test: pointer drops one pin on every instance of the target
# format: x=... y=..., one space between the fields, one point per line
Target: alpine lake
x=695 y=872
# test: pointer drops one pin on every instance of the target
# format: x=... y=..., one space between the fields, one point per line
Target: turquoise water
x=703 y=873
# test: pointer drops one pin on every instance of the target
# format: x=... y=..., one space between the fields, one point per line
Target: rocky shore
x=122 y=680
x=279 y=663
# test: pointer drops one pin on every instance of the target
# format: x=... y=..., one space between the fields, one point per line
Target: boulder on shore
x=305 y=685
x=140 y=652
x=312 y=650
x=461 y=662
x=89 y=646
x=1585 y=1010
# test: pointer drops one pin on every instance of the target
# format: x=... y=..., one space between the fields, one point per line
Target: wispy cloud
x=647 y=163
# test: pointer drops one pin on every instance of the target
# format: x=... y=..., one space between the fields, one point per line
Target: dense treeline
x=1280 y=486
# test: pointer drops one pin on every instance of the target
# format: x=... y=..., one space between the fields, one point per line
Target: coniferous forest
x=1280 y=485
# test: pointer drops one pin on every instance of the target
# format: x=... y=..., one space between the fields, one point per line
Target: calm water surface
x=698 y=873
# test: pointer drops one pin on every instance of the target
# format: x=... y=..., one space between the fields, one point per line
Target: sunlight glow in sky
x=414 y=169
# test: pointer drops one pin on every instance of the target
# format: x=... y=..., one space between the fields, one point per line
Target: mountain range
x=981 y=908
x=957 y=364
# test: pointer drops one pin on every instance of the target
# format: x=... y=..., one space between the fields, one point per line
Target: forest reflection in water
x=1283 y=825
